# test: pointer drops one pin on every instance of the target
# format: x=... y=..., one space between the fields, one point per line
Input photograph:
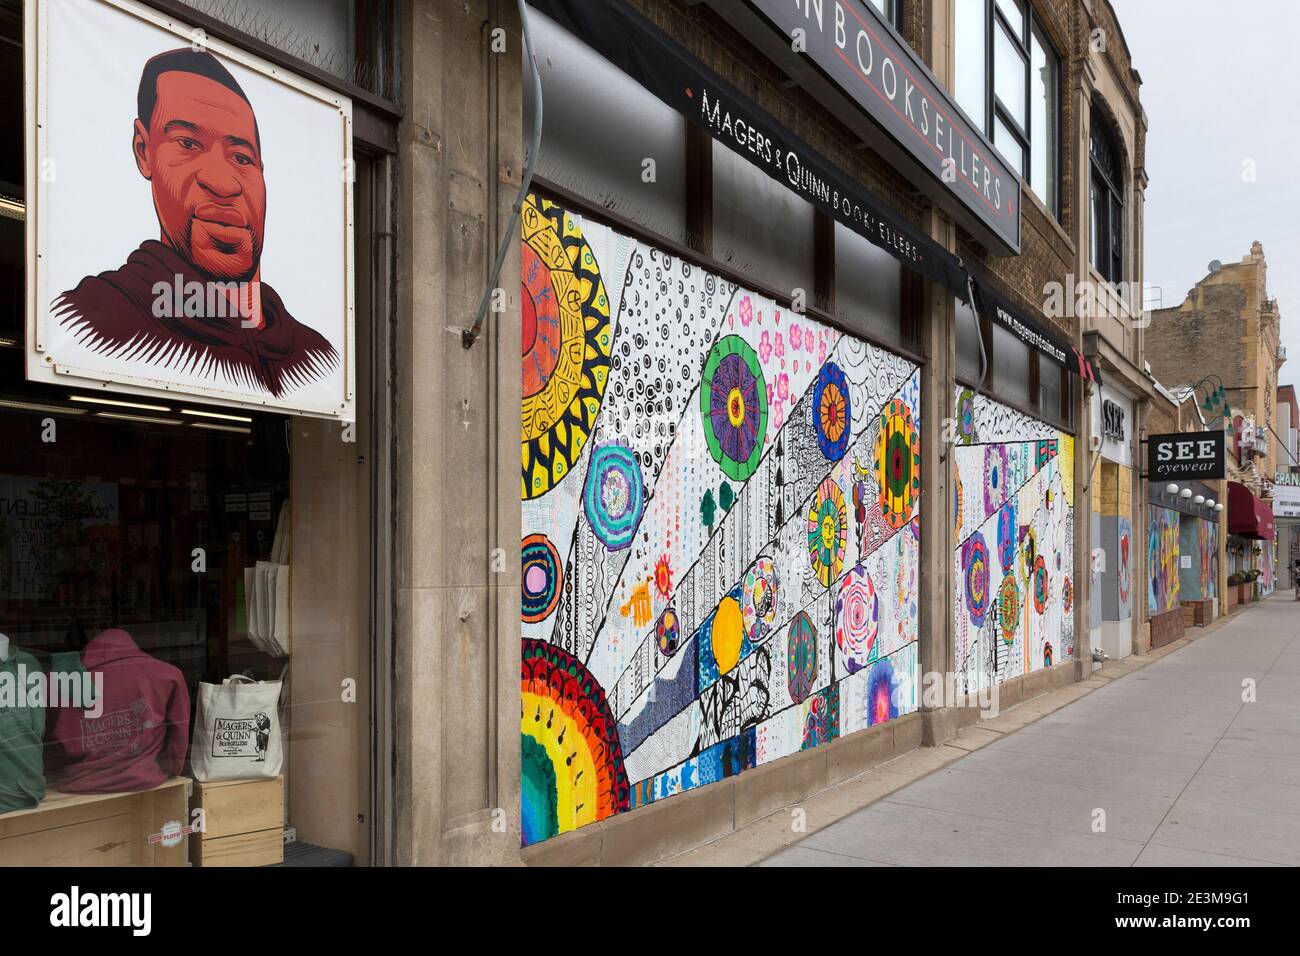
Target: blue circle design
x=831 y=375
x=614 y=495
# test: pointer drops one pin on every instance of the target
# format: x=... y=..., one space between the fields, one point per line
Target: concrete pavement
x=1166 y=766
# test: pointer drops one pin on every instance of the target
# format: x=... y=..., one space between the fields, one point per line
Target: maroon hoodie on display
x=141 y=735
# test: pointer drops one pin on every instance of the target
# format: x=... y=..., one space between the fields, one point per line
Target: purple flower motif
x=783 y=386
x=780 y=345
x=808 y=343
x=796 y=336
x=764 y=347
x=996 y=464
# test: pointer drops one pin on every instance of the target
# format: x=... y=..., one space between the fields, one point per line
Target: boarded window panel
x=968 y=343
x=1010 y=367
x=761 y=229
x=867 y=287
x=1049 y=388
x=600 y=129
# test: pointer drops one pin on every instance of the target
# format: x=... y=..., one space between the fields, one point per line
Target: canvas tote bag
x=237 y=730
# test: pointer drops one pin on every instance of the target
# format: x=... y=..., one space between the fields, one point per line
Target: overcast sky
x=1219 y=82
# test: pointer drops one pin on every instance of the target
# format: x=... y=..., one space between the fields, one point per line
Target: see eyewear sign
x=1184 y=456
x=850 y=43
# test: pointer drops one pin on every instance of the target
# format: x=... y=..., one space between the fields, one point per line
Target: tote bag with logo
x=237 y=730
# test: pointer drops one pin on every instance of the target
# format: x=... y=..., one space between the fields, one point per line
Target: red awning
x=1248 y=516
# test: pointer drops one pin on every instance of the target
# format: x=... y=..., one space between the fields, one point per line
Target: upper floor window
x=888 y=9
x=1008 y=80
x=1106 y=199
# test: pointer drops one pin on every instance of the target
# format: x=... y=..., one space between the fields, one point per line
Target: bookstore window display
x=184 y=645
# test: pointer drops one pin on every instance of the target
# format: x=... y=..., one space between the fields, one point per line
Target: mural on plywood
x=1014 y=557
x=1124 y=576
x=1207 y=540
x=721 y=527
x=1162 y=560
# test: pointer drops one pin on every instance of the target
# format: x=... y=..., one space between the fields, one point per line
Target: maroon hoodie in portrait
x=141 y=735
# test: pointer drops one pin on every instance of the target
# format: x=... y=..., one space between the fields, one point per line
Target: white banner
x=1286 y=501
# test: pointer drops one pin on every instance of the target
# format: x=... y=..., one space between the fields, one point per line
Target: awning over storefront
x=623 y=36
x=1248 y=516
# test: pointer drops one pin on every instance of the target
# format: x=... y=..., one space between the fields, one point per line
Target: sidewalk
x=1186 y=773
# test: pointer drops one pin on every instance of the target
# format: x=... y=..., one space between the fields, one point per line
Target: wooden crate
x=98 y=829
x=243 y=822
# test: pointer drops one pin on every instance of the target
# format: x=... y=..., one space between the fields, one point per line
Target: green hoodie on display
x=22 y=732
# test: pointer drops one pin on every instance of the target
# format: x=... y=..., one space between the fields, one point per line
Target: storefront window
x=1008 y=82
x=868 y=287
x=746 y=201
x=639 y=171
x=189 y=577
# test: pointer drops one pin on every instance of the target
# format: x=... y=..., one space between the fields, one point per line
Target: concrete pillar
x=939 y=343
x=456 y=460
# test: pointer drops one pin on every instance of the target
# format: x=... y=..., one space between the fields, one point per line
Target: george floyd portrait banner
x=189 y=218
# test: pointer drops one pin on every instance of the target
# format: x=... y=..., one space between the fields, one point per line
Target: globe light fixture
x=1218 y=507
x=1185 y=493
x=1198 y=500
x=1209 y=502
x=1171 y=489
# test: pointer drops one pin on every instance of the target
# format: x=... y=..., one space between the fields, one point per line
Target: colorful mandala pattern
x=822 y=723
x=541 y=578
x=1007 y=534
x=857 y=620
x=828 y=532
x=1040 y=585
x=759 y=607
x=801 y=657
x=996 y=477
x=1009 y=608
x=975 y=565
x=832 y=416
x=966 y=417
x=898 y=463
x=1067 y=595
x=572 y=762
x=668 y=632
x=733 y=403
x=614 y=495
x=566 y=343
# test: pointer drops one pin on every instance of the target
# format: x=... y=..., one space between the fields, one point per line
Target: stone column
x=456 y=456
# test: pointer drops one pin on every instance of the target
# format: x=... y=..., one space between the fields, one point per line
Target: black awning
x=633 y=44
x=1043 y=339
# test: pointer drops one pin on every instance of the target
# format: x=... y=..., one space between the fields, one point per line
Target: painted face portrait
x=194 y=300
x=201 y=154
